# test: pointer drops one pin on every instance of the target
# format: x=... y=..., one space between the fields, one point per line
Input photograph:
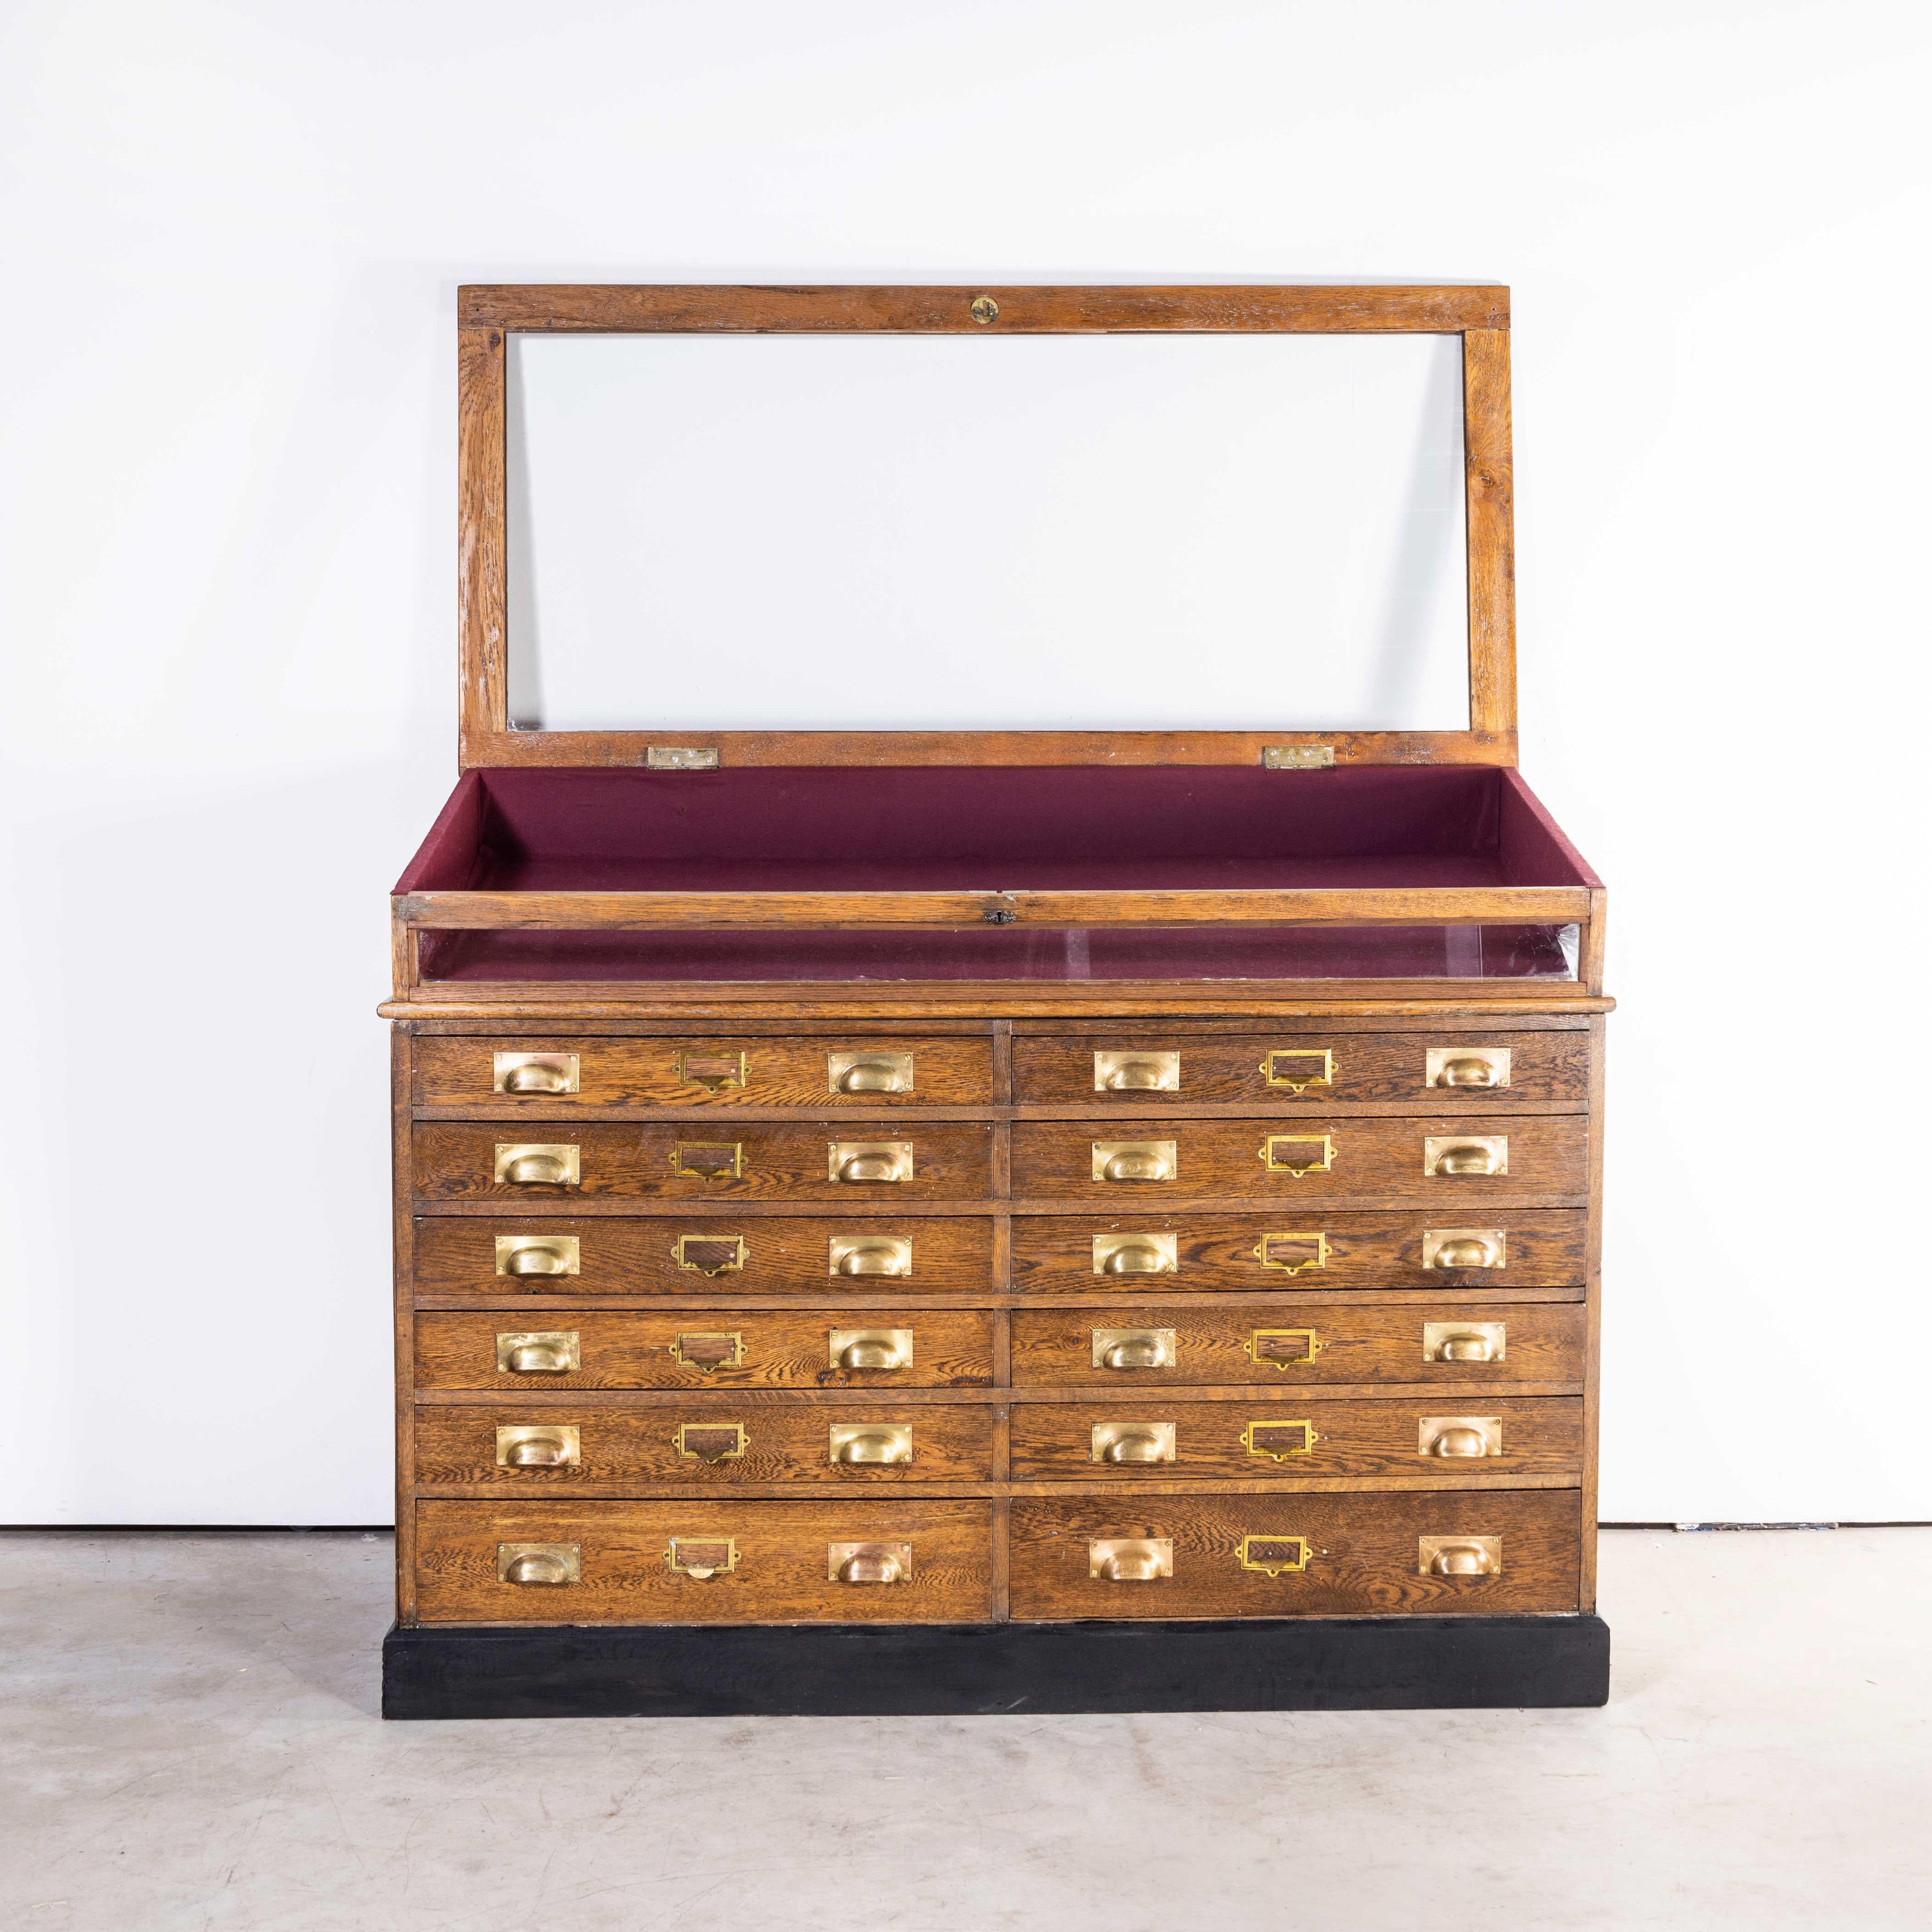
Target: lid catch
x=1297 y=758
x=681 y=758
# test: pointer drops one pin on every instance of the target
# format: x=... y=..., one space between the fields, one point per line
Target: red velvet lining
x=1010 y=828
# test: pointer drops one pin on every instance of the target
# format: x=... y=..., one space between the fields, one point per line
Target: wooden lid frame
x=487 y=315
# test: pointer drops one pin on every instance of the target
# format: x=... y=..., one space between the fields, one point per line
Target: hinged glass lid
x=721 y=527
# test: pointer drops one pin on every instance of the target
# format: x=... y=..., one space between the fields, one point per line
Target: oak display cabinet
x=1056 y=1216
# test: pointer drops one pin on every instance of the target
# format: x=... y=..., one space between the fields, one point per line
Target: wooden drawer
x=1364 y=1554
x=738 y=1348
x=1296 y=1436
x=1307 y=1160
x=771 y=1559
x=832 y=1072
x=705 y=1443
x=1297 y=1251
x=730 y=1160
x=696 y=1255
x=1270 y=1344
x=1496 y=1070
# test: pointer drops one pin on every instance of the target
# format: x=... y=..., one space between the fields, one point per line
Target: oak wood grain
x=1364 y=1561
x=779 y=1576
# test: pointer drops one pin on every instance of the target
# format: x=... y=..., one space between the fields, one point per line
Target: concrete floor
x=190 y=1742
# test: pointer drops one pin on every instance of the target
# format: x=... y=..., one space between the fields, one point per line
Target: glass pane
x=1122 y=532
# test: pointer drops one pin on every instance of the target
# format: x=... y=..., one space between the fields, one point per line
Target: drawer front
x=1273 y=1345
x=876 y=1162
x=897 y=1561
x=601 y=1348
x=1296 y=1251
x=550 y=1073
x=707 y=1444
x=1156 y=1069
x=694 y=1255
x=1457 y=1162
x=1142 y=1440
x=1234 y=1556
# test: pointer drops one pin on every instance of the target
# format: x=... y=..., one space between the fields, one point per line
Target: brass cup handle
x=1459 y=1441
x=539 y=1563
x=540 y=1257
x=541 y=1355
x=859 y=1447
x=870 y=1348
x=1136 y=1076
x=1463 y=1155
x=1469 y=1348
x=876 y=1258
x=1134 y=1258
x=535 y=1170
x=886 y=1075
x=1130 y=1559
x=537 y=1448
x=1137 y=1163
x=1465 y=1251
x=1143 y=1352
x=534 y=1077
x=1115 y=1443
x=1474 y=1556
x=1468 y=1070
x=868 y=1562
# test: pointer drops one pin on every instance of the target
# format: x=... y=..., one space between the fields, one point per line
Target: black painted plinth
x=843 y=1670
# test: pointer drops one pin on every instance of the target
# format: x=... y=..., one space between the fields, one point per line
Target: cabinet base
x=932 y=1670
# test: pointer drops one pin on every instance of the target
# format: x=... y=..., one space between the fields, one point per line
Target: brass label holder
x=1273 y=1154
x=728 y=1254
x=1261 y=1345
x=712 y=1442
x=708 y=1160
x=1276 y=1555
x=713 y=1072
x=707 y=1349
x=1264 y=1252
x=701 y=1558
x=1298 y=1080
x=1252 y=1442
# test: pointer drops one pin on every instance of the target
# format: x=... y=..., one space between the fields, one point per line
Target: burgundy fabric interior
x=1006 y=829
x=993 y=830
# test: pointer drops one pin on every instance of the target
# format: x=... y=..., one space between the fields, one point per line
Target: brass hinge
x=1297 y=758
x=681 y=758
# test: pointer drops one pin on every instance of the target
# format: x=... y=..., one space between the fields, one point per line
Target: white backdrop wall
x=233 y=234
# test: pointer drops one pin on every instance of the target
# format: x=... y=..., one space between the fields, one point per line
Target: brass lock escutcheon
x=1458 y=1556
x=1130 y=1559
x=555 y=1351
x=544 y=1563
x=869 y=1073
x=870 y=1445
x=713 y=1072
x=1452 y=1248
x=1133 y=1348
x=1282 y=1348
x=711 y=1442
x=711 y=1255
x=1299 y=1068
x=534 y=1073
x=878 y=1161
x=1450 y=1156
x=523 y=1254
x=1468 y=1068
x=1134 y=1071
x=1276 y=1555
x=883 y=1348
x=1136 y=1160
x=708 y=1160
x=707 y=1349
x=1459 y=1436
x=538 y=1446
x=851 y=1255
x=536 y=1164
x=1131 y=1442
x=1292 y=1252
x=868 y=1562
x=1297 y=1154
x=1136 y=1254
x=984 y=309
x=1464 y=1341
x=1278 y=1441
x=701 y=1558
